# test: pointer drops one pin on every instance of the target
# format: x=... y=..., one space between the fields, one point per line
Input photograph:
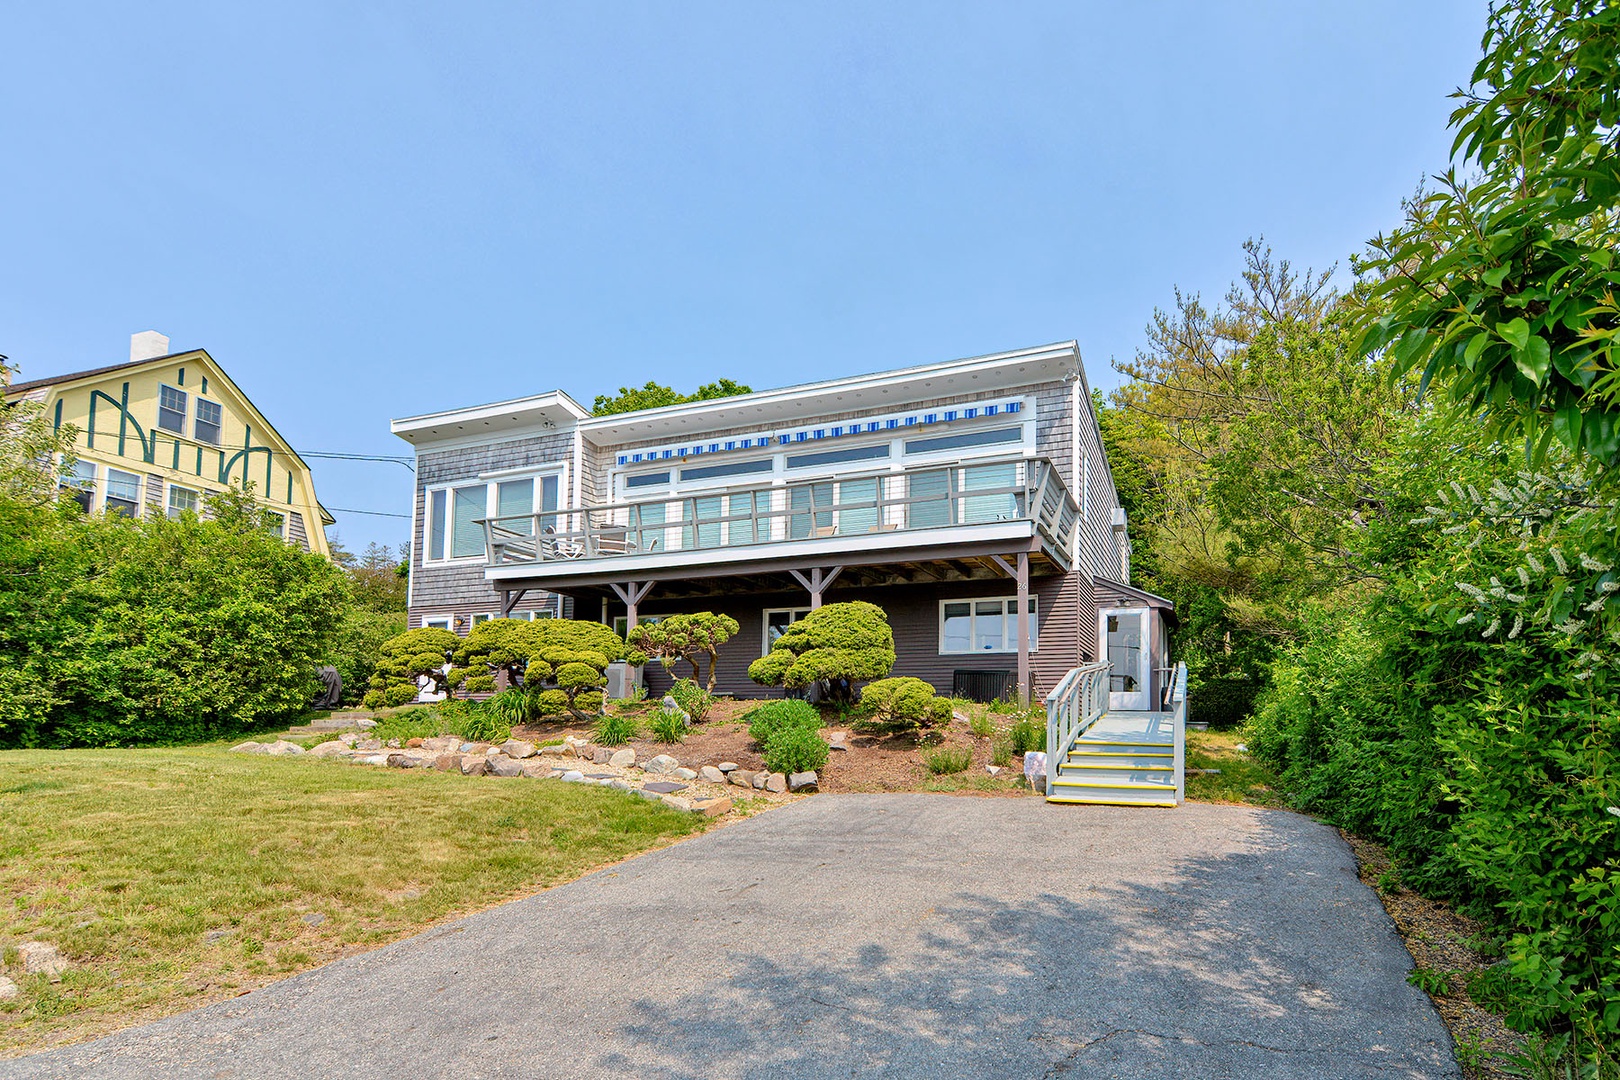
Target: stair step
x=1118 y=768
x=1084 y=800
x=1127 y=785
x=1078 y=752
x=1145 y=743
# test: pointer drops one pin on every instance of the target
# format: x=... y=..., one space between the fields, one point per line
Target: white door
x=1123 y=632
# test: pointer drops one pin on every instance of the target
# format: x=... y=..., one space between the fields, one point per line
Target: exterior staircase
x=1114 y=758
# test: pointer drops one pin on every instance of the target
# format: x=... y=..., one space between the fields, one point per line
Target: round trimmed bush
x=769 y=719
x=796 y=749
x=904 y=704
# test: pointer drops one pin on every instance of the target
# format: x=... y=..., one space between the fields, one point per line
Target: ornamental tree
x=406 y=658
x=904 y=704
x=836 y=646
x=686 y=637
x=567 y=664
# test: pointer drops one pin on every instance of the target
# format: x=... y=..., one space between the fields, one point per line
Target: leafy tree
x=402 y=660
x=1503 y=288
x=655 y=396
x=686 y=637
x=357 y=643
x=493 y=648
x=837 y=646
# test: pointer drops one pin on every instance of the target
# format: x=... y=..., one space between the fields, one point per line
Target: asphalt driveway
x=867 y=935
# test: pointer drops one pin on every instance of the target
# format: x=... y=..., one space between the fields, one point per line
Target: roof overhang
x=998 y=371
x=541 y=411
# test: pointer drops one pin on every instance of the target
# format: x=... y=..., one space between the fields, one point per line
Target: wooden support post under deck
x=510 y=600
x=1019 y=572
x=632 y=593
x=818 y=582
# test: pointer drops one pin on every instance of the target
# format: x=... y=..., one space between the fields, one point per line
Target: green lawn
x=130 y=861
x=1241 y=779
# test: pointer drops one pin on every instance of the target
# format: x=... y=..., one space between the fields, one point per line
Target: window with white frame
x=777 y=620
x=438 y=622
x=209 y=422
x=123 y=492
x=515 y=505
x=479 y=620
x=621 y=623
x=181 y=500
x=80 y=483
x=984 y=625
x=172 y=409
x=275 y=522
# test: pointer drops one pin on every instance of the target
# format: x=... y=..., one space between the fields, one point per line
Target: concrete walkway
x=878 y=935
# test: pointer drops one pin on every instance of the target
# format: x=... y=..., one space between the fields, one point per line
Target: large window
x=123 y=492
x=172 y=409
x=181 y=500
x=210 y=419
x=963 y=439
x=984 y=625
x=454 y=514
x=833 y=457
x=777 y=620
x=734 y=468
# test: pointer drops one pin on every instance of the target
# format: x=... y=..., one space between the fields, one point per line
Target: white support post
x=817 y=583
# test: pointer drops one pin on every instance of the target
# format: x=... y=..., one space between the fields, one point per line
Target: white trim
x=442 y=622
x=973 y=617
x=829 y=547
x=157 y=423
x=536 y=403
x=170 y=487
x=579 y=469
x=417 y=554
x=491 y=482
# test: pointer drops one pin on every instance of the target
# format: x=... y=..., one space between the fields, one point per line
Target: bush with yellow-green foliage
x=837 y=646
x=904 y=704
x=404 y=659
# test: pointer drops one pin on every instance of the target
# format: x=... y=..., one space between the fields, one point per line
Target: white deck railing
x=1073 y=706
x=1178 y=703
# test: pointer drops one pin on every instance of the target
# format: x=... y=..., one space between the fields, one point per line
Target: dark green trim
x=177 y=455
x=180 y=377
x=245 y=455
x=205 y=384
x=125 y=420
x=58 y=426
x=91 y=439
x=289 y=488
x=199 y=461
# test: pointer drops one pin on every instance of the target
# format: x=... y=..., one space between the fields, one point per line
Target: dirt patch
x=873 y=762
x=1438 y=939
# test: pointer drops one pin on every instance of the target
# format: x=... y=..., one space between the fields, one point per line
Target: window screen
x=207 y=425
x=171 y=409
x=987 y=437
x=831 y=457
x=734 y=468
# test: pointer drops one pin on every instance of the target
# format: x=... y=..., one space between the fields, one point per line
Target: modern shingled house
x=953 y=495
x=165 y=429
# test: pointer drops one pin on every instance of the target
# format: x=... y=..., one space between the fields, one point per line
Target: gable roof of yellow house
x=163 y=429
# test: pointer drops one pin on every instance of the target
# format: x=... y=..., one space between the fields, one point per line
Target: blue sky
x=369 y=212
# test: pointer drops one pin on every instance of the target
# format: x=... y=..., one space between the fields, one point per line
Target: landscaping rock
x=623 y=759
x=650 y=796
x=758 y=780
x=712 y=774
x=727 y=766
x=492 y=751
x=219 y=935
x=517 y=748
x=960 y=718
x=414 y=744
x=372 y=759
x=1035 y=767
x=776 y=782
x=8 y=989
x=838 y=740
x=402 y=761
x=42 y=958
x=250 y=747
x=393 y=744
x=442 y=743
x=283 y=748
x=663 y=763
x=712 y=807
x=474 y=764
x=803 y=781
x=504 y=766
x=349 y=738
x=314 y=918
x=664 y=787
x=601 y=755
x=474 y=747
x=622 y=785
x=993 y=770
x=685 y=774
x=369 y=744
x=572 y=776
x=446 y=762
x=365 y=723
x=556 y=750
x=675 y=802
x=328 y=749
x=534 y=767
x=740 y=777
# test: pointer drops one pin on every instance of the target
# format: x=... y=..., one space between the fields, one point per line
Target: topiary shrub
x=404 y=659
x=685 y=637
x=769 y=719
x=561 y=662
x=836 y=646
x=904 y=704
x=694 y=701
x=796 y=749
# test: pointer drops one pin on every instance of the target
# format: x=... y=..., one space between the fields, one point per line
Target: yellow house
x=164 y=430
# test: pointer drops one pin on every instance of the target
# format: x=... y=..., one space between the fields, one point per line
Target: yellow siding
x=126 y=435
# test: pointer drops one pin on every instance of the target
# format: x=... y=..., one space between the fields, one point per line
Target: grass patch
x=948 y=759
x=1241 y=779
x=175 y=877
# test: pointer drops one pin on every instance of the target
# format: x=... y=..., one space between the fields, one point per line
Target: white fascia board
x=827 y=549
x=516 y=413
x=809 y=399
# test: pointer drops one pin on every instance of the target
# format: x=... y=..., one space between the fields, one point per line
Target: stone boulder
x=556 y=750
x=534 y=767
x=663 y=763
x=403 y=761
x=685 y=774
x=369 y=744
x=505 y=766
x=777 y=783
x=740 y=777
x=712 y=774
x=447 y=762
x=365 y=723
x=474 y=764
x=283 y=748
x=727 y=766
x=250 y=747
x=572 y=776
x=8 y=989
x=759 y=780
x=42 y=958
x=328 y=749
x=622 y=759
x=517 y=748
x=712 y=807
x=442 y=743
x=803 y=781
x=601 y=755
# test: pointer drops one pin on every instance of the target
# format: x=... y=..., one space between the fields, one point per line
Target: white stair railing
x=1074 y=704
x=1178 y=702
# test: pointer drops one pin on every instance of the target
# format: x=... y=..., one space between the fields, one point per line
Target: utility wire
x=372 y=513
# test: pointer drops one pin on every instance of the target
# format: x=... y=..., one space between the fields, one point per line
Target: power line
x=372 y=513
x=407 y=462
